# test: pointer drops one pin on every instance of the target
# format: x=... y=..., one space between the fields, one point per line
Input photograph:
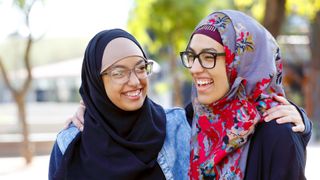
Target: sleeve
x=288 y=156
x=55 y=160
x=308 y=124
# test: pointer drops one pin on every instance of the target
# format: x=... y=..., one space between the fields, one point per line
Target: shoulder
x=272 y=147
x=174 y=155
x=272 y=131
x=278 y=141
x=175 y=110
x=66 y=136
x=176 y=114
x=176 y=117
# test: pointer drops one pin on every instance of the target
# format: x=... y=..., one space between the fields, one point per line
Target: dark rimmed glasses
x=207 y=59
x=121 y=74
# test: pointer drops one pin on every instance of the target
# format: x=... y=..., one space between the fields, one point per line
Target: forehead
x=200 y=42
x=129 y=61
x=118 y=49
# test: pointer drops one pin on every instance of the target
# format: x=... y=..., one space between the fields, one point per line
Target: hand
x=285 y=113
x=77 y=119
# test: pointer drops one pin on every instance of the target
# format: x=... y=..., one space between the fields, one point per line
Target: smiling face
x=211 y=84
x=130 y=95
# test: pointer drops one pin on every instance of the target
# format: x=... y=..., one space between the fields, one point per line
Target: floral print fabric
x=221 y=131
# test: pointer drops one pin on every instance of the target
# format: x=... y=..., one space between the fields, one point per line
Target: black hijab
x=115 y=144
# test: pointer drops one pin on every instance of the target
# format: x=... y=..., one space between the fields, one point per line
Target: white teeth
x=204 y=82
x=133 y=93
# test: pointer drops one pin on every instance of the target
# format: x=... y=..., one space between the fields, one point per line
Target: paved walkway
x=14 y=169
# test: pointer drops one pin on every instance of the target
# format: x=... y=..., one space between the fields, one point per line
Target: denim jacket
x=173 y=158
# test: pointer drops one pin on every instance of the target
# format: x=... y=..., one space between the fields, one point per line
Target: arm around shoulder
x=308 y=124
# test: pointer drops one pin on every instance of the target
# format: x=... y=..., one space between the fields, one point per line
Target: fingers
x=77 y=122
x=283 y=109
x=67 y=123
x=298 y=125
x=78 y=118
x=285 y=113
x=299 y=128
x=80 y=114
x=282 y=100
x=284 y=104
x=276 y=112
x=286 y=119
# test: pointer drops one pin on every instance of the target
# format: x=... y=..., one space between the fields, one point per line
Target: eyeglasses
x=206 y=59
x=121 y=74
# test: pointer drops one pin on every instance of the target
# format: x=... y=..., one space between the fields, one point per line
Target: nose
x=133 y=79
x=196 y=67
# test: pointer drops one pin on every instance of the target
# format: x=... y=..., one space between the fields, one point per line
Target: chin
x=204 y=100
x=134 y=106
x=207 y=100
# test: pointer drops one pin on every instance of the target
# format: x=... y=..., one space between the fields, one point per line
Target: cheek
x=223 y=82
x=113 y=92
x=145 y=84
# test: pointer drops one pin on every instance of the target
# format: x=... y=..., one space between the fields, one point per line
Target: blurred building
x=295 y=50
x=57 y=82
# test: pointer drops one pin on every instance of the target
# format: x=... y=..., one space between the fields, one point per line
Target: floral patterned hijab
x=221 y=131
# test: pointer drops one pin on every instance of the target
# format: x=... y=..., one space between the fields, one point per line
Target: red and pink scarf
x=221 y=131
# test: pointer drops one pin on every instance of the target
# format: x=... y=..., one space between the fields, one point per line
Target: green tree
x=165 y=26
x=19 y=93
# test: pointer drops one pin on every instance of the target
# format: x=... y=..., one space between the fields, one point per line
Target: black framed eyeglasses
x=121 y=74
x=206 y=59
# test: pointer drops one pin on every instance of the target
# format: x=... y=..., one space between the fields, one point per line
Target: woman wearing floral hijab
x=237 y=70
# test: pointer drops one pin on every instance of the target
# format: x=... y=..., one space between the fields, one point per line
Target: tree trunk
x=274 y=15
x=19 y=97
x=314 y=75
x=20 y=94
x=176 y=83
x=27 y=150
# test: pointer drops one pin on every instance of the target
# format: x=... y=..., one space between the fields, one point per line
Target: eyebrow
x=122 y=66
x=202 y=50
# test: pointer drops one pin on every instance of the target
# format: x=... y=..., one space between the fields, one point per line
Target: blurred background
x=42 y=44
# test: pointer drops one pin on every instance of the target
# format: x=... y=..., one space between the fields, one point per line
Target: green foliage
x=307 y=8
x=19 y=3
x=166 y=23
x=25 y=5
x=159 y=24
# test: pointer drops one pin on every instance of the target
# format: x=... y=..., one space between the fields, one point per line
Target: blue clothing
x=268 y=158
x=173 y=158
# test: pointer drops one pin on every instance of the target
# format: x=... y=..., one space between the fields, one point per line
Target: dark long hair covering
x=115 y=144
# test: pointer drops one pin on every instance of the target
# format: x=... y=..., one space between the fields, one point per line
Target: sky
x=67 y=18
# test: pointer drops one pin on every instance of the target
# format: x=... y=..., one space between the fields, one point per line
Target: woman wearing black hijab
x=124 y=130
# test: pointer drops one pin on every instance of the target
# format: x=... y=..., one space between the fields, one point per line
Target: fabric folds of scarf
x=221 y=131
x=114 y=144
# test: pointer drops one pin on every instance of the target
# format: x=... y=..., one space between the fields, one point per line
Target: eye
x=208 y=56
x=189 y=56
x=141 y=68
x=118 y=73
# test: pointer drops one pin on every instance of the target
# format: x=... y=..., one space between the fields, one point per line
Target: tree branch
x=27 y=82
x=5 y=77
